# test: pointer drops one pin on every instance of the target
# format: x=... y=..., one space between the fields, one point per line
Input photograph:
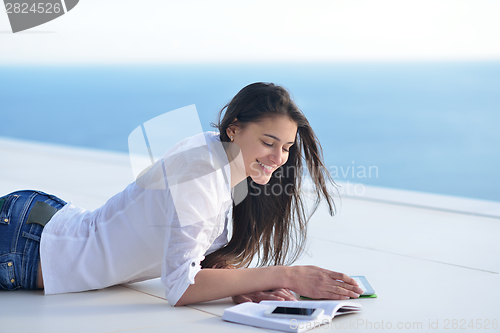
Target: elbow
x=182 y=301
x=179 y=303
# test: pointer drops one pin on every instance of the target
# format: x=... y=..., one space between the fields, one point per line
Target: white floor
x=433 y=260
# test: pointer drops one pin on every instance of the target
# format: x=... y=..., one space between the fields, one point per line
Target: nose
x=278 y=157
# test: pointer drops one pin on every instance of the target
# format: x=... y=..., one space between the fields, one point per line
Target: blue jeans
x=23 y=214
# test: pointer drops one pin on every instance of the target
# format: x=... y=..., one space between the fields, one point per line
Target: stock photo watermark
x=161 y=158
x=431 y=324
x=26 y=14
x=343 y=174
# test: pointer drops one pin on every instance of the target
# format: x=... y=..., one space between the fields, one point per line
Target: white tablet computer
x=363 y=284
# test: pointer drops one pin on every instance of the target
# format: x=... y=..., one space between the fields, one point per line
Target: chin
x=260 y=180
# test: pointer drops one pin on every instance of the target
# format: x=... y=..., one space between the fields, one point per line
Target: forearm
x=211 y=284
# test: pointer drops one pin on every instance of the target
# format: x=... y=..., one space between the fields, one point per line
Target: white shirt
x=163 y=224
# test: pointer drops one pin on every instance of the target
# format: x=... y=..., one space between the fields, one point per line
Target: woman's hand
x=273 y=295
x=319 y=283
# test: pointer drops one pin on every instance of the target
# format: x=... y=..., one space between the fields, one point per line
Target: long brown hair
x=273 y=227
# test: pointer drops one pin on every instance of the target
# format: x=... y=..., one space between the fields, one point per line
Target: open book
x=253 y=314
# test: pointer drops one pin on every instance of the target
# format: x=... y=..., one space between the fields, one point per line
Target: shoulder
x=193 y=142
x=202 y=152
x=198 y=157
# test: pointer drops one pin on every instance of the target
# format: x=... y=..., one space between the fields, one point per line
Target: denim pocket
x=8 y=279
x=6 y=205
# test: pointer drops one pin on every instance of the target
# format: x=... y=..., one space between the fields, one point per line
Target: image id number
x=36 y=8
x=472 y=324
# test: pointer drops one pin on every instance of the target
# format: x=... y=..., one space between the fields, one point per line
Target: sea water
x=430 y=127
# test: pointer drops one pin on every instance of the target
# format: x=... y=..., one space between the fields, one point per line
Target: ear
x=233 y=128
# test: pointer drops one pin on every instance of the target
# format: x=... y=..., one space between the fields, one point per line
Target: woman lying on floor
x=172 y=221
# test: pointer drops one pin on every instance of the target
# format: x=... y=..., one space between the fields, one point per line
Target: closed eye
x=267 y=144
x=270 y=145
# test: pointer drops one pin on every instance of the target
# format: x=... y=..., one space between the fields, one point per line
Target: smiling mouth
x=266 y=167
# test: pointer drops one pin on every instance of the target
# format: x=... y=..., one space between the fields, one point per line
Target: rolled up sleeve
x=181 y=279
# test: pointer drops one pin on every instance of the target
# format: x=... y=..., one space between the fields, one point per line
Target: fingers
x=343 y=277
x=241 y=299
x=290 y=296
x=268 y=296
x=343 y=290
x=271 y=295
x=334 y=293
x=352 y=291
x=285 y=294
x=319 y=283
x=348 y=283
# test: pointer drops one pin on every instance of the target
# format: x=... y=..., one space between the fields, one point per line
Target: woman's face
x=264 y=145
